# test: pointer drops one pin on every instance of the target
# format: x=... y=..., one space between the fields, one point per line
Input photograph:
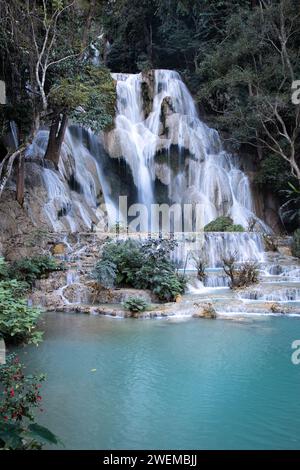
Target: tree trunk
x=56 y=138
x=20 y=180
x=88 y=23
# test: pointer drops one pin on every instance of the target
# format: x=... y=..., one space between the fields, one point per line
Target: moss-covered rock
x=223 y=224
x=235 y=228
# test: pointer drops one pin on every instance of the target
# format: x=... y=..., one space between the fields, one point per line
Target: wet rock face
x=166 y=110
x=78 y=294
x=147 y=87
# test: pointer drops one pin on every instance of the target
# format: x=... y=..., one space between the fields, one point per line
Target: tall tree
x=247 y=79
x=58 y=80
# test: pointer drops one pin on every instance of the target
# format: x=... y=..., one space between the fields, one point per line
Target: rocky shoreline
x=73 y=290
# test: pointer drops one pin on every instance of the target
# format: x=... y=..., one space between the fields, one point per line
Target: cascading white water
x=73 y=191
x=215 y=246
x=209 y=176
x=134 y=138
x=288 y=294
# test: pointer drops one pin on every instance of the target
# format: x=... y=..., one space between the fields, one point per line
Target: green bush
x=296 y=243
x=31 y=269
x=235 y=228
x=273 y=173
x=3 y=269
x=142 y=265
x=18 y=321
x=128 y=258
x=105 y=273
x=223 y=224
x=161 y=278
x=135 y=304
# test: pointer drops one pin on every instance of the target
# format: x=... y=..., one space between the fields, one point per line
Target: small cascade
x=213 y=280
x=281 y=273
x=215 y=246
x=287 y=294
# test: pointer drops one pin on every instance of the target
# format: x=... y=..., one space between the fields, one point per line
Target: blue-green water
x=201 y=384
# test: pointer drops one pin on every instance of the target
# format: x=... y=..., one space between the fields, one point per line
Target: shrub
x=135 y=304
x=20 y=396
x=3 y=269
x=18 y=321
x=105 y=273
x=289 y=211
x=31 y=269
x=296 y=243
x=143 y=265
x=240 y=276
x=223 y=224
x=168 y=286
x=128 y=258
x=200 y=263
x=161 y=278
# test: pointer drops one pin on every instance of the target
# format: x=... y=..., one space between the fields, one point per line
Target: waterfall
x=205 y=173
x=170 y=156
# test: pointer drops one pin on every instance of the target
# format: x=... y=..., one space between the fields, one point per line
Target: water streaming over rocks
x=172 y=146
x=161 y=152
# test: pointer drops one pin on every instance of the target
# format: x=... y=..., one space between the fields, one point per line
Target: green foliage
x=162 y=280
x=135 y=304
x=30 y=269
x=127 y=257
x=273 y=173
x=3 y=269
x=223 y=224
x=290 y=210
x=296 y=243
x=244 y=79
x=20 y=396
x=105 y=273
x=142 y=265
x=18 y=321
x=235 y=228
x=88 y=97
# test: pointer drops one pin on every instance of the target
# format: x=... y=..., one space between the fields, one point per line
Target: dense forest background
x=240 y=59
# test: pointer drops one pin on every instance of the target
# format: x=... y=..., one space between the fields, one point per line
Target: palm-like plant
x=289 y=212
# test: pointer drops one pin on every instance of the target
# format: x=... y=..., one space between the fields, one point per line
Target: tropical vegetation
x=142 y=265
